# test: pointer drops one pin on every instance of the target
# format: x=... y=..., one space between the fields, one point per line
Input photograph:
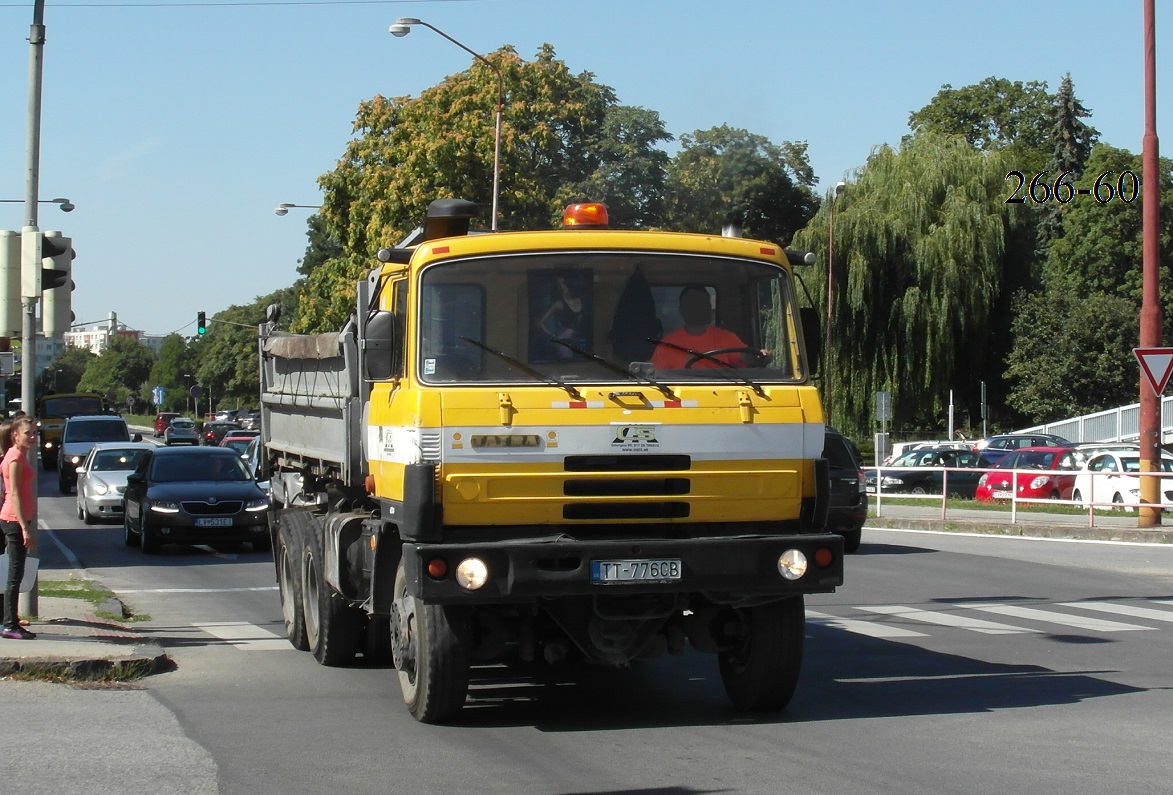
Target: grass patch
x=90 y=591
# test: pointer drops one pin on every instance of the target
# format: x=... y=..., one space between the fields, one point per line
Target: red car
x=1055 y=482
x=162 y=420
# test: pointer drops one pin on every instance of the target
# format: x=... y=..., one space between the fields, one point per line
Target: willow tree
x=920 y=253
x=409 y=151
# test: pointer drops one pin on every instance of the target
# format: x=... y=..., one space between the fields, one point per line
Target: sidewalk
x=76 y=644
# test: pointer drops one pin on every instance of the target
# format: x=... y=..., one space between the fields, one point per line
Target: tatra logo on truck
x=506 y=440
x=635 y=437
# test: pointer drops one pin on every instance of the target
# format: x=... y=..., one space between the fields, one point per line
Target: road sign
x=1157 y=366
x=884 y=406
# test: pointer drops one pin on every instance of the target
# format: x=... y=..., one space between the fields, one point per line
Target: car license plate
x=606 y=572
x=214 y=521
x=1003 y=495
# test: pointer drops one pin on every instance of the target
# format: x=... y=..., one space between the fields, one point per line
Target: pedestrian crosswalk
x=905 y=621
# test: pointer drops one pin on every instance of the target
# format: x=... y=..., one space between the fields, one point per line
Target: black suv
x=849 y=500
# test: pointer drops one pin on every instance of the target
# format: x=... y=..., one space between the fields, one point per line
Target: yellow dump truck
x=51 y=414
x=577 y=444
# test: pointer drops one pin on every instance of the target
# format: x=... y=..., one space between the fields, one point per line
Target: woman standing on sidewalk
x=16 y=516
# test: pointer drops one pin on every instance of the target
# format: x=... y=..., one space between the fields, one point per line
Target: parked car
x=848 y=507
x=162 y=420
x=181 y=430
x=214 y=431
x=1112 y=477
x=900 y=448
x=923 y=471
x=227 y=415
x=1085 y=450
x=1056 y=483
x=101 y=479
x=250 y=419
x=992 y=448
x=79 y=435
x=193 y=495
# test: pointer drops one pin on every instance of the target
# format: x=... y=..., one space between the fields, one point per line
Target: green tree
x=63 y=374
x=225 y=362
x=921 y=246
x=995 y=114
x=174 y=361
x=1072 y=353
x=1071 y=143
x=120 y=371
x=725 y=175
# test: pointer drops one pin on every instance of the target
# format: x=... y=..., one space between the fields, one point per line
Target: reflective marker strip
x=674 y=404
x=577 y=404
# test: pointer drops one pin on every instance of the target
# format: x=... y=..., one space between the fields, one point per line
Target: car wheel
x=1077 y=496
x=851 y=538
x=129 y=537
x=919 y=488
x=761 y=672
x=1054 y=495
x=86 y=516
x=80 y=511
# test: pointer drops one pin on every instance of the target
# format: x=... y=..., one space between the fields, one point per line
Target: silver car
x=101 y=479
x=181 y=430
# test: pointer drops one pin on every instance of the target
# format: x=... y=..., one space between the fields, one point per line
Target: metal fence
x=1113 y=425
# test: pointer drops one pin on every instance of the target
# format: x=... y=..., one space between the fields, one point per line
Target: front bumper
x=723 y=568
x=182 y=530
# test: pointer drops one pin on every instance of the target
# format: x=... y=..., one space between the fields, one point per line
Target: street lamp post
x=828 y=333
x=283 y=207
x=65 y=204
x=401 y=28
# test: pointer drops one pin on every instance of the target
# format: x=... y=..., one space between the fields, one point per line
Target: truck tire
x=761 y=675
x=332 y=627
x=289 y=589
x=431 y=655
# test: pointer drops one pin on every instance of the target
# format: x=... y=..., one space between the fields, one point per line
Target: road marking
x=1124 y=610
x=946 y=619
x=871 y=629
x=1063 y=619
x=245 y=636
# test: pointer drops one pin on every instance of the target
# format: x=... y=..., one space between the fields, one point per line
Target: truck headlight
x=792 y=564
x=472 y=574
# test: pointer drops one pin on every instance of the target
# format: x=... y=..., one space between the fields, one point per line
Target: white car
x=101 y=479
x=1111 y=478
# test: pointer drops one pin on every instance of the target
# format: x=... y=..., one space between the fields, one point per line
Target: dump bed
x=311 y=407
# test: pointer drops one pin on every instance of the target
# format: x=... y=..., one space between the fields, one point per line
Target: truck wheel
x=331 y=625
x=289 y=588
x=851 y=538
x=761 y=674
x=432 y=658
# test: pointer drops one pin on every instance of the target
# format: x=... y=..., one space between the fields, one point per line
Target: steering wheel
x=756 y=360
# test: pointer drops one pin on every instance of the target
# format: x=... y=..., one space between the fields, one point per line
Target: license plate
x=624 y=571
x=1003 y=495
x=214 y=521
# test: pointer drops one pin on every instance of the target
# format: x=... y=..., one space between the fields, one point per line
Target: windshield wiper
x=525 y=368
x=731 y=376
x=664 y=389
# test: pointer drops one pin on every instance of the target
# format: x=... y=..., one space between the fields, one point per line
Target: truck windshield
x=608 y=316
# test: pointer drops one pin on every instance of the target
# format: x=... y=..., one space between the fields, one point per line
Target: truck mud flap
x=813 y=518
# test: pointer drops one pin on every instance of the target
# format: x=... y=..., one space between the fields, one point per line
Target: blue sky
x=176 y=128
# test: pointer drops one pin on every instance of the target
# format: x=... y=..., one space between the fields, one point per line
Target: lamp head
x=66 y=205
x=402 y=26
x=282 y=208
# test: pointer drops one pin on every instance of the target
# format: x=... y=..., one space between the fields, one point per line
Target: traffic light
x=56 y=284
x=201 y=323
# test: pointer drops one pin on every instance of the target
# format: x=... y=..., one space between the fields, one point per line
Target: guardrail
x=877 y=494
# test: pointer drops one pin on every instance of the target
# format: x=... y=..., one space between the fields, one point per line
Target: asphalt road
x=944 y=664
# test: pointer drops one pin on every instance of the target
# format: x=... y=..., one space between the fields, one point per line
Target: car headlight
x=75 y=459
x=887 y=481
x=98 y=486
x=261 y=504
x=165 y=506
x=1040 y=481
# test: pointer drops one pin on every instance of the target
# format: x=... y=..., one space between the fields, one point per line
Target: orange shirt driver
x=697 y=334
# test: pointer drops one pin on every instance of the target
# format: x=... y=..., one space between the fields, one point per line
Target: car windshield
x=185 y=424
x=1027 y=461
x=95 y=431
x=116 y=460
x=219 y=468
x=1132 y=464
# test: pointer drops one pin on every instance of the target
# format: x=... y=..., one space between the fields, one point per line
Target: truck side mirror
x=812 y=334
x=380 y=348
